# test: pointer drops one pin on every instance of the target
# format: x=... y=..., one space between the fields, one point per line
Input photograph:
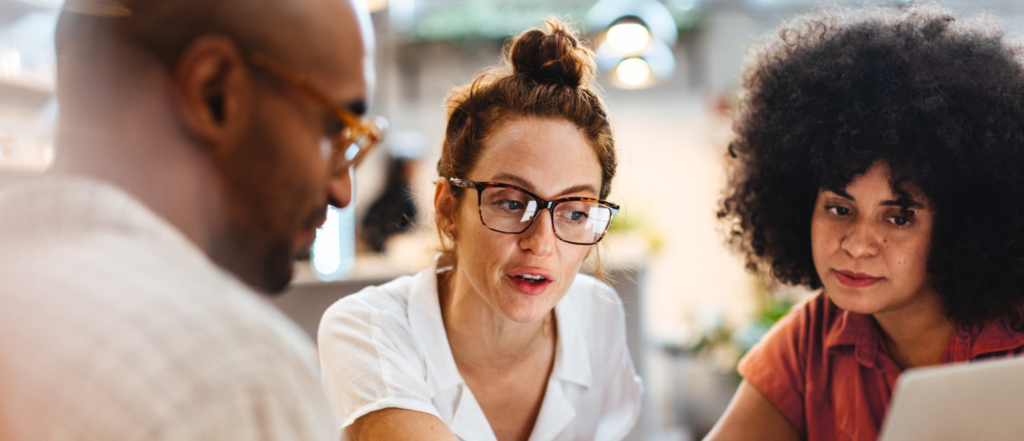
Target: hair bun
x=553 y=56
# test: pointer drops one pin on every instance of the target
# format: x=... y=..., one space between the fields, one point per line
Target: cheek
x=910 y=258
x=475 y=241
x=822 y=239
x=573 y=255
x=299 y=151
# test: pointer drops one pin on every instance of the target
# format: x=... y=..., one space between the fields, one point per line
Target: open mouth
x=532 y=279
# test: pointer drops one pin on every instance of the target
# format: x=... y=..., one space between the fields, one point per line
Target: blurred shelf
x=28 y=84
x=24 y=91
x=367 y=268
x=12 y=10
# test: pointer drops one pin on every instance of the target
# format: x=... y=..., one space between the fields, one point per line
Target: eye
x=573 y=216
x=838 y=210
x=902 y=220
x=509 y=204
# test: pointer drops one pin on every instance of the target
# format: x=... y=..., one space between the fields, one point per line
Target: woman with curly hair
x=879 y=157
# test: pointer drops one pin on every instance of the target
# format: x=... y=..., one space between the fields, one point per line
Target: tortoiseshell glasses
x=509 y=209
x=352 y=136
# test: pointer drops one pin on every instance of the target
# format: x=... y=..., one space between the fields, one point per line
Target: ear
x=212 y=87
x=444 y=206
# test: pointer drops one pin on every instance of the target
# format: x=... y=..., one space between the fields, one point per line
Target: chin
x=278 y=267
x=526 y=310
x=860 y=301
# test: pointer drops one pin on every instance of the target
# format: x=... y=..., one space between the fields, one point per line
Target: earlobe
x=444 y=205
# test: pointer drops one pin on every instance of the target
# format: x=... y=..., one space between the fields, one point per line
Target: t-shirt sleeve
x=369 y=362
x=777 y=365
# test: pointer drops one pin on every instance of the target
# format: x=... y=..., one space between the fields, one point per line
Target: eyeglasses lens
x=359 y=140
x=511 y=211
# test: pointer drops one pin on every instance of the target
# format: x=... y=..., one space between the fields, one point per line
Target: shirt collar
x=572 y=359
x=991 y=338
x=572 y=362
x=852 y=329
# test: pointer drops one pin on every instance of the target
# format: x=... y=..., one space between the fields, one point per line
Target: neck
x=150 y=161
x=916 y=335
x=481 y=337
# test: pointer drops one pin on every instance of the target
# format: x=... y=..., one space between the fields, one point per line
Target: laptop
x=982 y=400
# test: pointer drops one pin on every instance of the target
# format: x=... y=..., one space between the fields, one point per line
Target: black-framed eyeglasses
x=357 y=137
x=508 y=209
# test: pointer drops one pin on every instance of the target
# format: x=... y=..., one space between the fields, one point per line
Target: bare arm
x=398 y=424
x=751 y=416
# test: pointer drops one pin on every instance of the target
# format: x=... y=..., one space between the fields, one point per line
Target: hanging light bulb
x=628 y=38
x=633 y=71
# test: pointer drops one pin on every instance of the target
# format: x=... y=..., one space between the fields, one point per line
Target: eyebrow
x=902 y=202
x=525 y=184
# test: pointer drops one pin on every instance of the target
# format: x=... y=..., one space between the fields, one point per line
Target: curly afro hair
x=940 y=101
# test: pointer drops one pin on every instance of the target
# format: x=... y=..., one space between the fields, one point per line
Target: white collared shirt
x=386 y=347
x=113 y=326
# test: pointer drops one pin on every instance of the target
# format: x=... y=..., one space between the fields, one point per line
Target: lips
x=314 y=221
x=856 y=280
x=530 y=281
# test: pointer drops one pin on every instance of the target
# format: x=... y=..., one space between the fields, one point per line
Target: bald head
x=165 y=28
x=103 y=45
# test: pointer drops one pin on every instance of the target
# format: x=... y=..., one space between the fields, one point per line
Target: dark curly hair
x=940 y=101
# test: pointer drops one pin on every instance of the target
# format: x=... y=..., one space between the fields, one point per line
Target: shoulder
x=595 y=299
x=790 y=355
x=384 y=306
x=788 y=345
x=369 y=331
x=142 y=336
x=596 y=332
x=808 y=322
x=370 y=358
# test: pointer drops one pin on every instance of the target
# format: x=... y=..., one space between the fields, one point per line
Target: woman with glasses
x=878 y=159
x=500 y=339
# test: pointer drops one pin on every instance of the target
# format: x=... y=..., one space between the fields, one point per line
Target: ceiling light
x=628 y=38
x=633 y=71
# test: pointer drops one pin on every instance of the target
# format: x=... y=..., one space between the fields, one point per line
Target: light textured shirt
x=386 y=347
x=113 y=326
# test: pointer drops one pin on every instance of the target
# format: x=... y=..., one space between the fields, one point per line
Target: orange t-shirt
x=827 y=371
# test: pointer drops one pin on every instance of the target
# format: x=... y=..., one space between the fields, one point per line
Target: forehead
x=550 y=154
x=877 y=183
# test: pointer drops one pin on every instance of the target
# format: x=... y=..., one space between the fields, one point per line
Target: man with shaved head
x=199 y=145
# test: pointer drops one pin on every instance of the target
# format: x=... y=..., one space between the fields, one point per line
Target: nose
x=339 y=188
x=861 y=240
x=540 y=237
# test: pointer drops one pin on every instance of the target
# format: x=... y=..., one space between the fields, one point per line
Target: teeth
x=532 y=277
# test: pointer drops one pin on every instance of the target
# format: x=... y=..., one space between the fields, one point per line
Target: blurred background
x=669 y=71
